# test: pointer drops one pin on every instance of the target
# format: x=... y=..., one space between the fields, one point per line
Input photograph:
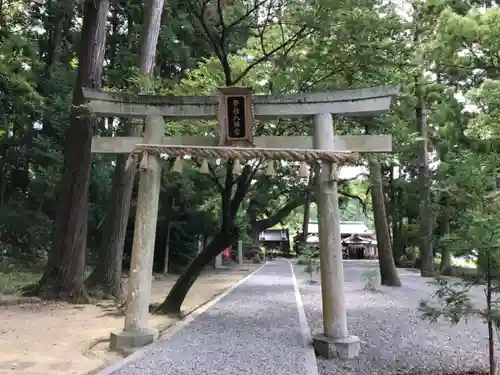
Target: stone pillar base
x=330 y=348
x=126 y=342
x=218 y=261
x=240 y=253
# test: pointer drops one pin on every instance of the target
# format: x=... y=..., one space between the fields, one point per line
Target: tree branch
x=340 y=182
x=301 y=33
x=199 y=16
x=226 y=197
x=278 y=216
x=247 y=14
x=224 y=58
x=255 y=168
x=215 y=179
x=241 y=190
x=357 y=198
x=212 y=176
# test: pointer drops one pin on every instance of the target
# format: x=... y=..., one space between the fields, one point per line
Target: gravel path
x=253 y=330
x=395 y=339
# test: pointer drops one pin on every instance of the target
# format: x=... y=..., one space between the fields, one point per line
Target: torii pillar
x=335 y=341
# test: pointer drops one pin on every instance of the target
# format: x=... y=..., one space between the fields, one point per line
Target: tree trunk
x=445 y=265
x=491 y=328
x=388 y=272
x=50 y=53
x=227 y=235
x=172 y=304
x=307 y=209
x=57 y=19
x=149 y=36
x=398 y=248
x=167 y=240
x=398 y=242
x=3 y=173
x=305 y=221
x=107 y=275
x=426 y=253
x=64 y=275
x=2 y=26
x=167 y=248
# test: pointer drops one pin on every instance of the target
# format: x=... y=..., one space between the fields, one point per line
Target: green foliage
x=454 y=303
x=309 y=259
x=345 y=44
x=410 y=257
x=472 y=183
x=371 y=279
x=37 y=77
x=27 y=244
x=476 y=235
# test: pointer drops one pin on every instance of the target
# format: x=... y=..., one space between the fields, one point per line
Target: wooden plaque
x=235 y=116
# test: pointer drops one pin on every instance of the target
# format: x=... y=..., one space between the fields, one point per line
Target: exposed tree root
x=47 y=291
x=371 y=289
x=103 y=290
x=87 y=351
x=98 y=293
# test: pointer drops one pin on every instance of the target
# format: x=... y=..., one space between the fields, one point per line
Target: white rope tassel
x=334 y=173
x=144 y=161
x=269 y=172
x=237 y=168
x=131 y=161
x=204 y=167
x=177 y=167
x=303 y=170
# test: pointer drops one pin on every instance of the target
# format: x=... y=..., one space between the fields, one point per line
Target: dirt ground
x=57 y=338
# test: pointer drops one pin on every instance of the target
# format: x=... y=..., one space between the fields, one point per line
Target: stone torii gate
x=236 y=108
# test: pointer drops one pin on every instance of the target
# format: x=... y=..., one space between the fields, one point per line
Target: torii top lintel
x=371 y=101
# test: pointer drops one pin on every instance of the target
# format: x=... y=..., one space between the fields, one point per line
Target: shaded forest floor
x=42 y=337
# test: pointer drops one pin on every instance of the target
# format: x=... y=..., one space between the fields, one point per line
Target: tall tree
x=64 y=274
x=426 y=215
x=388 y=272
x=224 y=26
x=108 y=271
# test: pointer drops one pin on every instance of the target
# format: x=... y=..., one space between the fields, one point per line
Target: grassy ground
x=11 y=282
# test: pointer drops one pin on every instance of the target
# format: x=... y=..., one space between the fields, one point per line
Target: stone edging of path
x=109 y=369
x=311 y=365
